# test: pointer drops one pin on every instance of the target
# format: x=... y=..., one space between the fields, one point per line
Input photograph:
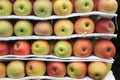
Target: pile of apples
x=45 y=8
x=81 y=48
x=78 y=70
x=61 y=27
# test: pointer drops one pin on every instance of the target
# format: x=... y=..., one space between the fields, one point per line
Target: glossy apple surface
x=40 y=47
x=62 y=7
x=104 y=49
x=23 y=28
x=22 y=7
x=104 y=25
x=56 y=69
x=63 y=49
x=21 y=48
x=63 y=27
x=84 y=25
x=77 y=69
x=82 y=48
x=35 y=68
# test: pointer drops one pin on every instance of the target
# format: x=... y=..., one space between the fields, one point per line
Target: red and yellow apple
x=97 y=70
x=104 y=25
x=82 y=48
x=104 y=49
x=2 y=70
x=56 y=69
x=21 y=48
x=84 y=25
x=77 y=69
x=35 y=68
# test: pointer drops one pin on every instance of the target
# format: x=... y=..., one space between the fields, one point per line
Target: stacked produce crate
x=57 y=39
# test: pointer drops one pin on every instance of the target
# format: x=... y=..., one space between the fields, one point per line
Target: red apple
x=43 y=28
x=104 y=25
x=96 y=2
x=84 y=25
x=21 y=48
x=77 y=69
x=108 y=6
x=104 y=49
x=4 y=48
x=56 y=69
x=82 y=48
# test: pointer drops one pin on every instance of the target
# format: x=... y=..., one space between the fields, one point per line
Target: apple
x=109 y=65
x=96 y=3
x=63 y=27
x=35 y=68
x=97 y=70
x=62 y=49
x=5 y=7
x=62 y=7
x=23 y=28
x=77 y=69
x=40 y=47
x=4 y=48
x=42 y=8
x=21 y=48
x=56 y=69
x=2 y=70
x=83 y=6
x=104 y=25
x=16 y=69
x=22 y=7
x=43 y=28
x=6 y=29
x=104 y=49
x=84 y=25
x=82 y=48
x=108 y=6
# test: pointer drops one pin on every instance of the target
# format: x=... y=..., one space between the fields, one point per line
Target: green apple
x=22 y=7
x=40 y=47
x=23 y=28
x=6 y=29
x=77 y=69
x=63 y=49
x=97 y=70
x=82 y=6
x=5 y=7
x=62 y=7
x=42 y=8
x=43 y=28
x=16 y=69
x=63 y=27
x=2 y=70
x=35 y=68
